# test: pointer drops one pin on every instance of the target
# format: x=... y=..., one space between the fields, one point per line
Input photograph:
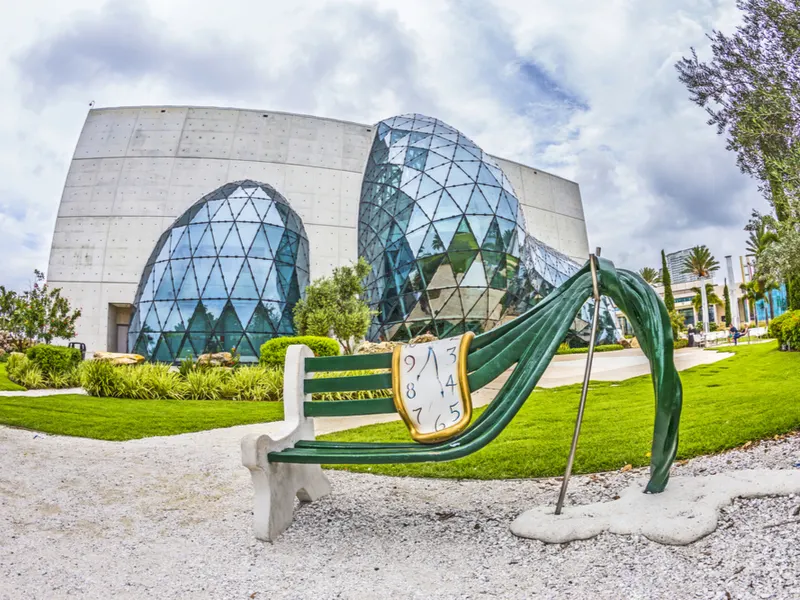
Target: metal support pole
x=592 y=339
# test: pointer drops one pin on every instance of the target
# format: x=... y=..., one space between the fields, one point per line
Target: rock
x=117 y=358
x=217 y=359
x=625 y=343
x=383 y=347
x=635 y=343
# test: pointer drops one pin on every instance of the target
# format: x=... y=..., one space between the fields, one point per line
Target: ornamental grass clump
x=255 y=383
x=206 y=384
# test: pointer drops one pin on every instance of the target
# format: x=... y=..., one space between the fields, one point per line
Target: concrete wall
x=135 y=170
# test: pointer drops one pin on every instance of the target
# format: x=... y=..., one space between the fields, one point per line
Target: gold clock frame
x=463 y=384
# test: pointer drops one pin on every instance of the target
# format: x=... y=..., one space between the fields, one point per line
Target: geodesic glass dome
x=226 y=274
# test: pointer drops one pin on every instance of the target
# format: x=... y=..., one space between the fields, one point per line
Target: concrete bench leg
x=277 y=484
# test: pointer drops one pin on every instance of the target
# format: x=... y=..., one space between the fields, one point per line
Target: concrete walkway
x=39 y=393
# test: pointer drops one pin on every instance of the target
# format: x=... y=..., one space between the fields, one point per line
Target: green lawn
x=753 y=395
x=6 y=385
x=116 y=419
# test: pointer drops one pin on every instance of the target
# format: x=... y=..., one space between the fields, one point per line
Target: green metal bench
x=288 y=464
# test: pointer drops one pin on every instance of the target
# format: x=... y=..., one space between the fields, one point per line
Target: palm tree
x=650 y=275
x=751 y=296
x=711 y=298
x=761 y=236
x=700 y=262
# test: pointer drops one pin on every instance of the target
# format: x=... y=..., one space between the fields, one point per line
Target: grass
x=120 y=419
x=752 y=395
x=6 y=385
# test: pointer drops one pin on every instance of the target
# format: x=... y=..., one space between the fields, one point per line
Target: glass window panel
x=443 y=278
x=485 y=176
x=260 y=321
x=248 y=213
x=204 y=246
x=215 y=288
x=475 y=277
x=247 y=233
x=220 y=231
x=439 y=174
x=175 y=238
x=271 y=290
x=162 y=353
x=447 y=208
x=232 y=245
x=230 y=267
x=478 y=204
x=245 y=287
x=201 y=216
x=274 y=236
x=237 y=204
x=213 y=209
x=447 y=229
x=457 y=176
x=432 y=244
x=493 y=241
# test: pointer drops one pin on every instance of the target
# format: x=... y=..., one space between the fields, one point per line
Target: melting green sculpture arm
x=653 y=329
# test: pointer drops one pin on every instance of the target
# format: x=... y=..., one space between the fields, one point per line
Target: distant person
x=690 y=334
x=736 y=334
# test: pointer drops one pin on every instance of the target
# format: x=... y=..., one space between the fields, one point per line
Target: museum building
x=183 y=230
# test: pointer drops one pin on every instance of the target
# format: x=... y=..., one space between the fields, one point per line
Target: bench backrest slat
x=347 y=408
x=379 y=381
x=353 y=362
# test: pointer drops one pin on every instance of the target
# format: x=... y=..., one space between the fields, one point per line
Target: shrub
x=31 y=377
x=273 y=352
x=206 y=384
x=100 y=378
x=786 y=328
x=16 y=362
x=680 y=344
x=54 y=360
x=150 y=381
x=255 y=383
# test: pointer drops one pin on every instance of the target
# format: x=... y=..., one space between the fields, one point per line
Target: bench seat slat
x=347 y=408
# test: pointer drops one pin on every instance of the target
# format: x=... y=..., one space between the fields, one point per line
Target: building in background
x=136 y=170
x=675 y=264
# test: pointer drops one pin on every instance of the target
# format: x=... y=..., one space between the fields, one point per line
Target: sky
x=586 y=90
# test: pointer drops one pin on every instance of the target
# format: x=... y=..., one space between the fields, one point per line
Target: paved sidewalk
x=39 y=393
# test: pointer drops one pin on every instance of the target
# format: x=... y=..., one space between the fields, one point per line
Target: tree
x=728 y=316
x=333 y=306
x=650 y=275
x=44 y=314
x=700 y=262
x=666 y=279
x=711 y=297
x=750 y=297
x=751 y=90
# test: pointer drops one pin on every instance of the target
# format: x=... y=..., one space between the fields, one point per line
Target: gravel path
x=170 y=518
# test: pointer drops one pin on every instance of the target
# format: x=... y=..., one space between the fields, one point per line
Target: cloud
x=587 y=91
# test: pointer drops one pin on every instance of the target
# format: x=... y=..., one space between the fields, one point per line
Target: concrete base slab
x=685 y=512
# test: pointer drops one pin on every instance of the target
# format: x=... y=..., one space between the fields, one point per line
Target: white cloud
x=585 y=90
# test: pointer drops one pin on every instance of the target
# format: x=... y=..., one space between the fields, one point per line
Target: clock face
x=430 y=388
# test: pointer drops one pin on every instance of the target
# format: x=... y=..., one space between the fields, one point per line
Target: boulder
x=117 y=358
x=217 y=359
x=383 y=347
x=635 y=343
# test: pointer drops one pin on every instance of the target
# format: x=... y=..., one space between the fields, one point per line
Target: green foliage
x=31 y=377
x=333 y=306
x=678 y=344
x=254 y=384
x=678 y=322
x=126 y=419
x=42 y=313
x=354 y=395
x=728 y=317
x=713 y=326
x=273 y=352
x=100 y=378
x=700 y=262
x=206 y=384
x=54 y=360
x=600 y=348
x=751 y=90
x=752 y=395
x=711 y=297
x=650 y=275
x=666 y=279
x=786 y=329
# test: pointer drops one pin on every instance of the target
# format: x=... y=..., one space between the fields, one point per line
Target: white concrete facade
x=135 y=170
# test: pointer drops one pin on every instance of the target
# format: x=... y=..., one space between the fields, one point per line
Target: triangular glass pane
x=504 y=208
x=457 y=177
x=228 y=322
x=178 y=268
x=188 y=289
x=480 y=226
x=417 y=220
x=451 y=309
x=215 y=288
x=435 y=160
x=165 y=290
x=205 y=245
x=201 y=216
x=260 y=269
x=187 y=308
x=230 y=267
x=271 y=289
x=478 y=204
x=220 y=231
x=232 y=245
x=151 y=323
x=175 y=237
x=186 y=350
x=202 y=269
x=244 y=310
x=247 y=231
x=439 y=174
x=429 y=204
x=461 y=262
x=447 y=229
x=415 y=239
x=248 y=214
x=237 y=204
x=431 y=245
x=274 y=235
x=427 y=186
x=162 y=353
x=260 y=321
x=492 y=195
x=245 y=287
x=485 y=176
x=475 y=277
x=174 y=341
x=461 y=195
x=260 y=246
x=447 y=208
x=493 y=241
x=273 y=217
x=443 y=278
